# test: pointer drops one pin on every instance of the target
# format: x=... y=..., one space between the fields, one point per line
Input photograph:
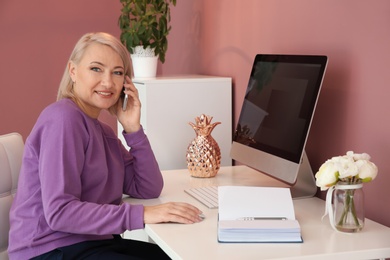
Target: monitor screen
x=276 y=114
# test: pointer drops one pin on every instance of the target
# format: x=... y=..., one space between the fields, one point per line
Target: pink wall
x=352 y=110
x=37 y=38
x=221 y=38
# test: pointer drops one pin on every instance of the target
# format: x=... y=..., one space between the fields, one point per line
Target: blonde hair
x=65 y=89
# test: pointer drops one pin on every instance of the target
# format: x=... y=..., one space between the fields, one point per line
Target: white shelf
x=170 y=103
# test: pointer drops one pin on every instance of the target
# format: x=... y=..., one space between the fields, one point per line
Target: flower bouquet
x=345 y=175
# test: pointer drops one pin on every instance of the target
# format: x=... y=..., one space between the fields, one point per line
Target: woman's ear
x=72 y=70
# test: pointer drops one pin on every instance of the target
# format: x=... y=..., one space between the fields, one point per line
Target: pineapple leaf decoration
x=203 y=153
x=203 y=125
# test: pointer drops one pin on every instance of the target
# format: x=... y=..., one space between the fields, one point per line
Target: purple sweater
x=73 y=175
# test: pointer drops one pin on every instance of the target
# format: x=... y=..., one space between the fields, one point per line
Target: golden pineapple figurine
x=203 y=153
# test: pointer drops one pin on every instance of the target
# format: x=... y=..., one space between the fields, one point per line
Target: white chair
x=11 y=151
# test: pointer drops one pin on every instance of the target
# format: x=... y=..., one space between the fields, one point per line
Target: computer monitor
x=275 y=118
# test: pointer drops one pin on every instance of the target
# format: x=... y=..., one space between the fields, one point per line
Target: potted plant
x=144 y=28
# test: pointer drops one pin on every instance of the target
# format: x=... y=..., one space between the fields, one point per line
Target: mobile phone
x=125 y=100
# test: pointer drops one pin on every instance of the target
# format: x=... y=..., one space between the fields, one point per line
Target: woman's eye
x=95 y=69
x=120 y=73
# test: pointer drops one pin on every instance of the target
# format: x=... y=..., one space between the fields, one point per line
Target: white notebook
x=256 y=214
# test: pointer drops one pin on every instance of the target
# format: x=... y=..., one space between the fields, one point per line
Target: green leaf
x=136 y=40
x=141 y=29
x=368 y=179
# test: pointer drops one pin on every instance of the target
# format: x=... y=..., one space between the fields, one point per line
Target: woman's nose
x=107 y=80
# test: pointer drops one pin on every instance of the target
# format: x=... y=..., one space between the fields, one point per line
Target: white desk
x=199 y=241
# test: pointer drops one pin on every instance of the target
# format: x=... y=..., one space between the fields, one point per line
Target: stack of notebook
x=257 y=214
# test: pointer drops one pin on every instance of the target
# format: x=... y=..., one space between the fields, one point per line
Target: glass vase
x=348 y=201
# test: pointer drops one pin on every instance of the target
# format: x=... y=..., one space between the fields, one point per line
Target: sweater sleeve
x=64 y=146
x=143 y=178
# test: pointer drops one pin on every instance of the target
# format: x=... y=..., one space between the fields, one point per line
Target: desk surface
x=199 y=241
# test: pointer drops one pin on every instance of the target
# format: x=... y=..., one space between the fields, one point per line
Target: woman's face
x=98 y=79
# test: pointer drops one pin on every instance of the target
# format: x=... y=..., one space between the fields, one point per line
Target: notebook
x=257 y=214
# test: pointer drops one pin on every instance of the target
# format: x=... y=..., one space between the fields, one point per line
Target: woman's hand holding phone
x=129 y=110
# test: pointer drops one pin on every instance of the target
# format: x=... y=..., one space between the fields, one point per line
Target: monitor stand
x=305 y=186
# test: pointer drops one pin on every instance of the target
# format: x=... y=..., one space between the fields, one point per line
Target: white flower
x=327 y=175
x=352 y=168
x=358 y=156
x=367 y=170
x=346 y=167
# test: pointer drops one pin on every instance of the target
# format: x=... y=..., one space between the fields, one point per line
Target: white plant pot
x=144 y=62
x=144 y=67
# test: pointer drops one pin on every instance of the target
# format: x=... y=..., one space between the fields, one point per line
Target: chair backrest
x=11 y=151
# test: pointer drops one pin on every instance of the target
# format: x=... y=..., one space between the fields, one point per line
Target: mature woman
x=75 y=170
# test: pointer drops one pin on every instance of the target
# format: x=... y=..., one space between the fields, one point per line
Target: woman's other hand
x=178 y=212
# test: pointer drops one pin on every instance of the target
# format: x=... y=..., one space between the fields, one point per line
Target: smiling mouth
x=106 y=94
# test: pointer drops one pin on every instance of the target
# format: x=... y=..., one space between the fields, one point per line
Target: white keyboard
x=206 y=195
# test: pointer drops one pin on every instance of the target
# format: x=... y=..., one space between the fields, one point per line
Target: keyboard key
x=206 y=195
